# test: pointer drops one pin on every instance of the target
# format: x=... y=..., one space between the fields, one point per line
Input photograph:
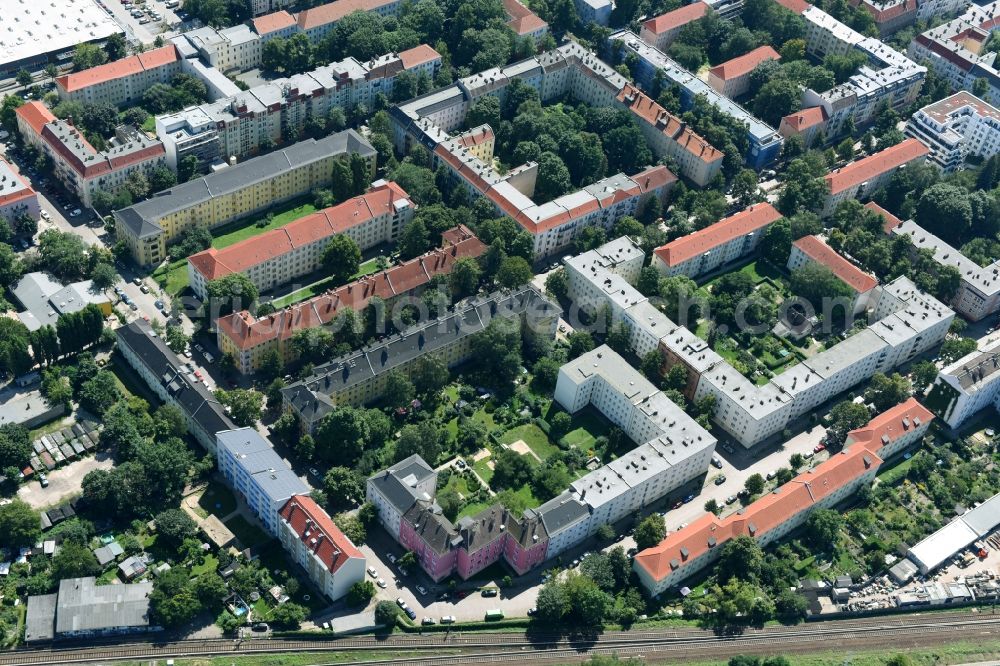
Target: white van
x=209 y=357
x=448 y=619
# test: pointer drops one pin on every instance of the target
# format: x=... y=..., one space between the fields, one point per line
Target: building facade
x=359 y=378
x=661 y=31
x=956 y=128
x=732 y=78
x=263 y=480
x=708 y=249
x=16 y=196
x=81 y=168
x=859 y=179
x=312 y=540
x=967 y=386
x=281 y=255
x=249 y=339
x=235 y=192
x=122 y=81
x=812 y=250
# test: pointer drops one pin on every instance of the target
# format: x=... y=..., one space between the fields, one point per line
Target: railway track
x=435 y=648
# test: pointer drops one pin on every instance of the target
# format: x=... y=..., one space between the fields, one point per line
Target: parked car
x=260 y=626
x=372 y=572
x=392 y=558
x=43 y=479
x=144 y=289
x=771 y=475
x=717 y=462
x=731 y=499
x=719 y=480
x=689 y=498
x=409 y=613
x=489 y=592
x=400 y=602
x=532 y=611
x=421 y=589
x=819 y=447
x=428 y=621
x=381 y=583
x=447 y=619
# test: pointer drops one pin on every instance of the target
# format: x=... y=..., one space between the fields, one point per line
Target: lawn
x=211 y=563
x=318 y=287
x=217 y=499
x=172 y=277
x=586 y=426
x=248 y=535
x=240 y=230
x=483 y=470
x=534 y=437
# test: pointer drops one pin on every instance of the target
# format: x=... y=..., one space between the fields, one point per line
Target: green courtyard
x=173 y=277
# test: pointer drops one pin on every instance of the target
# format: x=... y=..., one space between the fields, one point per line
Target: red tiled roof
x=241 y=256
x=160 y=57
x=272 y=22
x=677 y=18
x=881 y=15
x=753 y=218
x=332 y=12
x=744 y=64
x=767 y=513
x=36 y=114
x=470 y=138
x=889 y=221
x=25 y=191
x=890 y=425
x=247 y=332
x=821 y=253
x=324 y=538
x=418 y=55
x=875 y=165
x=806 y=118
x=797 y=6
x=522 y=21
x=654 y=114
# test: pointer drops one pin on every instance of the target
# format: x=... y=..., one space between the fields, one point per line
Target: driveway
x=64 y=482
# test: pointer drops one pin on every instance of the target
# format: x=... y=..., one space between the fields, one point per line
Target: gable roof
x=676 y=18
x=890 y=425
x=767 y=513
x=753 y=218
x=869 y=167
x=806 y=118
x=36 y=114
x=165 y=55
x=272 y=22
x=744 y=64
x=848 y=273
x=317 y=530
x=889 y=221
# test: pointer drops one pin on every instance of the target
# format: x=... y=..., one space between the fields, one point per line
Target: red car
x=197 y=374
x=819 y=447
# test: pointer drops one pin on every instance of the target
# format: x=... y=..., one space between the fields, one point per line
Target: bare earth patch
x=521 y=448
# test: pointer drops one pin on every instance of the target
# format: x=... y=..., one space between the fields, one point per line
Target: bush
x=360 y=594
x=386 y=613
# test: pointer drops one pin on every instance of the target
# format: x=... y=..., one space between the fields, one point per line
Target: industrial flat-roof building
x=45 y=300
x=956 y=536
x=82 y=608
x=36 y=33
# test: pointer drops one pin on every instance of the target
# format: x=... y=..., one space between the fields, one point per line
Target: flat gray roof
x=85 y=606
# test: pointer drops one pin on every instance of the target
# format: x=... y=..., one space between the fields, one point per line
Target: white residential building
x=955 y=128
x=978 y=295
x=860 y=179
x=907 y=322
x=250 y=465
x=967 y=386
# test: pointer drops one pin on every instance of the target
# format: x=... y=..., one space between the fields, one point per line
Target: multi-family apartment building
x=670 y=137
x=708 y=249
x=955 y=128
x=359 y=377
x=807 y=123
x=249 y=339
x=235 y=192
x=312 y=540
x=281 y=255
x=859 y=179
x=524 y=22
x=238 y=125
x=906 y=322
x=262 y=479
x=967 y=386
x=674 y=449
x=732 y=78
x=894 y=430
x=16 y=196
x=692 y=548
x=234 y=49
x=165 y=374
x=813 y=250
x=122 y=81
x=567 y=70
x=978 y=294
x=890 y=16
x=81 y=168
x=887 y=78
x=955 y=50
x=653 y=65
x=594 y=11
x=661 y=31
